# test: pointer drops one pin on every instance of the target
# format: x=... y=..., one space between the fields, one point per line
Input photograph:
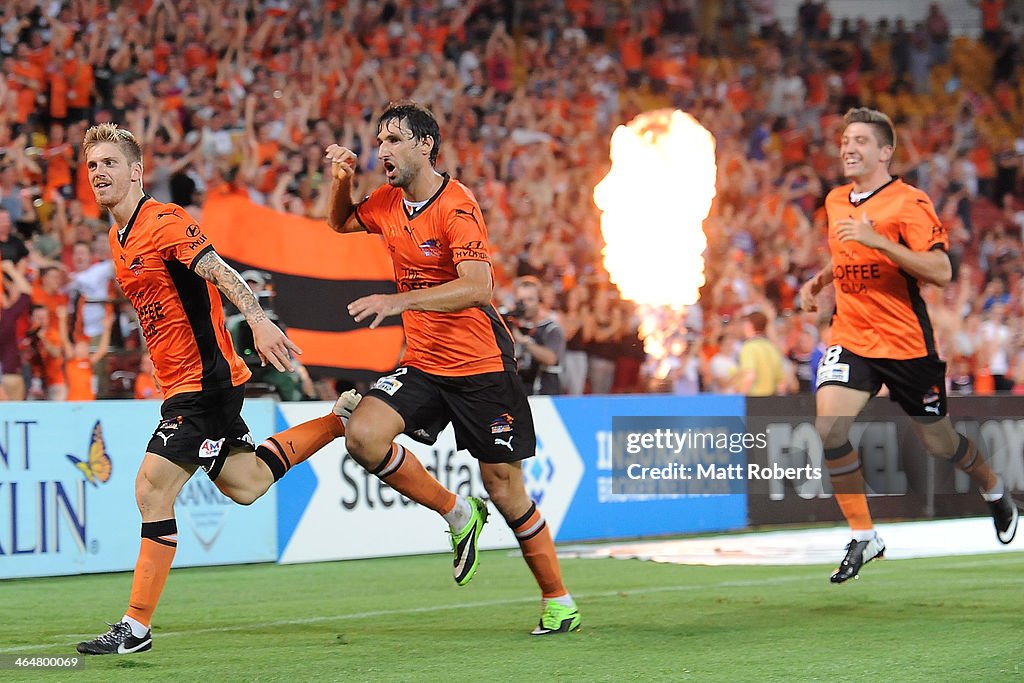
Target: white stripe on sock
x=527 y=532
x=397 y=458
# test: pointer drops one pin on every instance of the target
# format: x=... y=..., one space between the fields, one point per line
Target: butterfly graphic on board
x=97 y=467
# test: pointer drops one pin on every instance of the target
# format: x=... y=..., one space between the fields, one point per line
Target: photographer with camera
x=540 y=341
x=290 y=386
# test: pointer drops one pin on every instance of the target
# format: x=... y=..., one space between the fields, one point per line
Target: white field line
x=468 y=606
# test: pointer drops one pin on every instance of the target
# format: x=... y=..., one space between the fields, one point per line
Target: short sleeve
x=921 y=228
x=372 y=211
x=466 y=233
x=178 y=237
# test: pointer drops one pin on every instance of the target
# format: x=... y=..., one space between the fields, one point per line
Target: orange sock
x=402 y=471
x=286 y=449
x=539 y=552
x=847 y=475
x=159 y=541
x=969 y=459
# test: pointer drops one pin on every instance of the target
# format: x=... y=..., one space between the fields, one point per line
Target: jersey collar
x=877 y=190
x=444 y=183
x=122 y=235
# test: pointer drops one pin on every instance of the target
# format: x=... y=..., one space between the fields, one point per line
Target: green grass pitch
x=403 y=619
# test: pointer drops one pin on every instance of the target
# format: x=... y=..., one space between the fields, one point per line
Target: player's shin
x=847 y=477
x=156 y=552
x=287 y=449
x=402 y=471
x=972 y=462
x=539 y=552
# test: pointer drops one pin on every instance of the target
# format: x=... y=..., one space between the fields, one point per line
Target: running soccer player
x=459 y=366
x=885 y=239
x=169 y=270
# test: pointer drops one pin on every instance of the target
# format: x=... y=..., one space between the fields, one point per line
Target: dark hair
x=529 y=281
x=879 y=122
x=418 y=119
x=758 y=320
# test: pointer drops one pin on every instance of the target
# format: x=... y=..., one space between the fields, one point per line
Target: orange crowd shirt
x=78 y=372
x=146 y=387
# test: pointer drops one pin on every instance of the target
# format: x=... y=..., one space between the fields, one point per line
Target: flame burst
x=654 y=201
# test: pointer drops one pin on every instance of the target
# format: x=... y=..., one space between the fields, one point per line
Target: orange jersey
x=879 y=310
x=426 y=247
x=180 y=313
x=146 y=387
x=78 y=372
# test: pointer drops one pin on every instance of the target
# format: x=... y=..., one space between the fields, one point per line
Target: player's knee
x=505 y=492
x=940 y=444
x=831 y=432
x=363 y=442
x=502 y=497
x=509 y=501
x=152 y=499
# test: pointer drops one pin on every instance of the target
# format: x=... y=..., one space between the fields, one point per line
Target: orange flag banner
x=315 y=274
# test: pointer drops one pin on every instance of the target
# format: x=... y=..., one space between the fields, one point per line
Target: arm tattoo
x=211 y=267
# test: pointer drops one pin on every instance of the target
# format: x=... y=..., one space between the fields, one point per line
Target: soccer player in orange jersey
x=459 y=365
x=885 y=239
x=169 y=270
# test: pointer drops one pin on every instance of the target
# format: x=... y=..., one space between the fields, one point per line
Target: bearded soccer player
x=459 y=365
x=885 y=239
x=171 y=273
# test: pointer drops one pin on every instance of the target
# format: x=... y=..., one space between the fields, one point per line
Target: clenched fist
x=343 y=162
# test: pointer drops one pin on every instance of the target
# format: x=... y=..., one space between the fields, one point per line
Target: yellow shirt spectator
x=761 y=367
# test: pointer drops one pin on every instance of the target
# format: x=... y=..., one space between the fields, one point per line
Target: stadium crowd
x=251 y=93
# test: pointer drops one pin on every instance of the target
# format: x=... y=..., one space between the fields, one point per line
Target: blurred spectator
x=79 y=371
x=90 y=290
x=801 y=354
x=12 y=247
x=145 y=382
x=38 y=352
x=937 y=26
x=995 y=335
x=991 y=18
x=53 y=331
x=960 y=377
x=631 y=355
x=681 y=367
x=249 y=94
x=602 y=331
x=540 y=340
x=723 y=368
x=574 y=361
x=14 y=304
x=295 y=385
x=761 y=371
